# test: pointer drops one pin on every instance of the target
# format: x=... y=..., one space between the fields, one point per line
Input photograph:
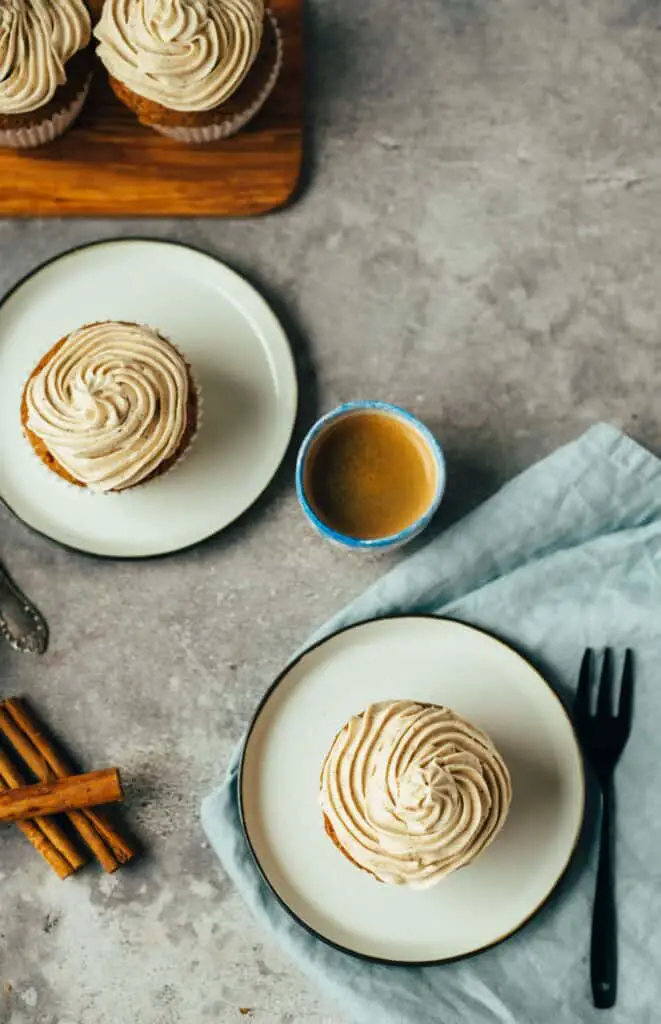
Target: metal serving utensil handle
x=21 y=624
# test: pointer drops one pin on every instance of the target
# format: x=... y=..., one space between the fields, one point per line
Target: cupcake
x=411 y=792
x=110 y=406
x=45 y=68
x=196 y=70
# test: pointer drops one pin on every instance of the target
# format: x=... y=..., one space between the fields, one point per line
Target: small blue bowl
x=379 y=543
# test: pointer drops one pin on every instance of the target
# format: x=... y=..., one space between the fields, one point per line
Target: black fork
x=603 y=736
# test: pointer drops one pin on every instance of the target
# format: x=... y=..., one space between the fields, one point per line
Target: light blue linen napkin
x=567 y=555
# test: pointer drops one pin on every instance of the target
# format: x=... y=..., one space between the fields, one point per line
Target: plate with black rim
x=238 y=351
x=431 y=660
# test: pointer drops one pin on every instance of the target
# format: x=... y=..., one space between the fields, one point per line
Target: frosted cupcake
x=45 y=68
x=196 y=70
x=110 y=406
x=411 y=792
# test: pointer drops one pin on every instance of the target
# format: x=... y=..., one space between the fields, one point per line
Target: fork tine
x=605 y=696
x=625 y=708
x=582 y=701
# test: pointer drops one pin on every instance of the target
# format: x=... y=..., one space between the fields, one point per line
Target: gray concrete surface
x=480 y=241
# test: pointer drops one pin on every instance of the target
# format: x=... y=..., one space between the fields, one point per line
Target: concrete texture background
x=480 y=241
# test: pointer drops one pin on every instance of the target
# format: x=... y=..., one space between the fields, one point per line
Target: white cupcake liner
x=83 y=488
x=40 y=134
x=231 y=125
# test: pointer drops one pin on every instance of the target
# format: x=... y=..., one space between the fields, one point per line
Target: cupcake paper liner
x=231 y=125
x=46 y=131
x=181 y=457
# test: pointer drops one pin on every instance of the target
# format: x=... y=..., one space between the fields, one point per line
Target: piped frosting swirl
x=37 y=38
x=186 y=55
x=413 y=792
x=110 y=404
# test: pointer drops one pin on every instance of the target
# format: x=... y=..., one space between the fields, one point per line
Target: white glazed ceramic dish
x=239 y=354
x=426 y=659
x=396 y=540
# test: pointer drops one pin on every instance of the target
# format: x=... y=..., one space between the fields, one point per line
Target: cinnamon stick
x=35 y=834
x=94 y=826
x=61 y=795
x=53 y=836
x=37 y=764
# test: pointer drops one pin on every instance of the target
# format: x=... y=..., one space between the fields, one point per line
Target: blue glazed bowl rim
x=381 y=542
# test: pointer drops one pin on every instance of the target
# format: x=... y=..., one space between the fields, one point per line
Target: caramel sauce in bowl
x=370 y=475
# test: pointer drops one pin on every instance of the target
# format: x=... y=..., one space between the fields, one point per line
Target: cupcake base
x=38 y=127
x=43 y=453
x=332 y=835
x=227 y=119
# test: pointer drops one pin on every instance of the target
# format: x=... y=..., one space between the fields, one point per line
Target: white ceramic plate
x=426 y=659
x=238 y=351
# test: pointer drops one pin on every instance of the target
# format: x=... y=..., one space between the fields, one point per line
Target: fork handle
x=603 y=952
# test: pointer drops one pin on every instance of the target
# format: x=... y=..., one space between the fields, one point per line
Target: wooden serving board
x=108 y=165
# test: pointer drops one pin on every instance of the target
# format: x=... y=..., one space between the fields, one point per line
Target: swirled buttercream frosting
x=37 y=38
x=411 y=792
x=186 y=55
x=110 y=403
